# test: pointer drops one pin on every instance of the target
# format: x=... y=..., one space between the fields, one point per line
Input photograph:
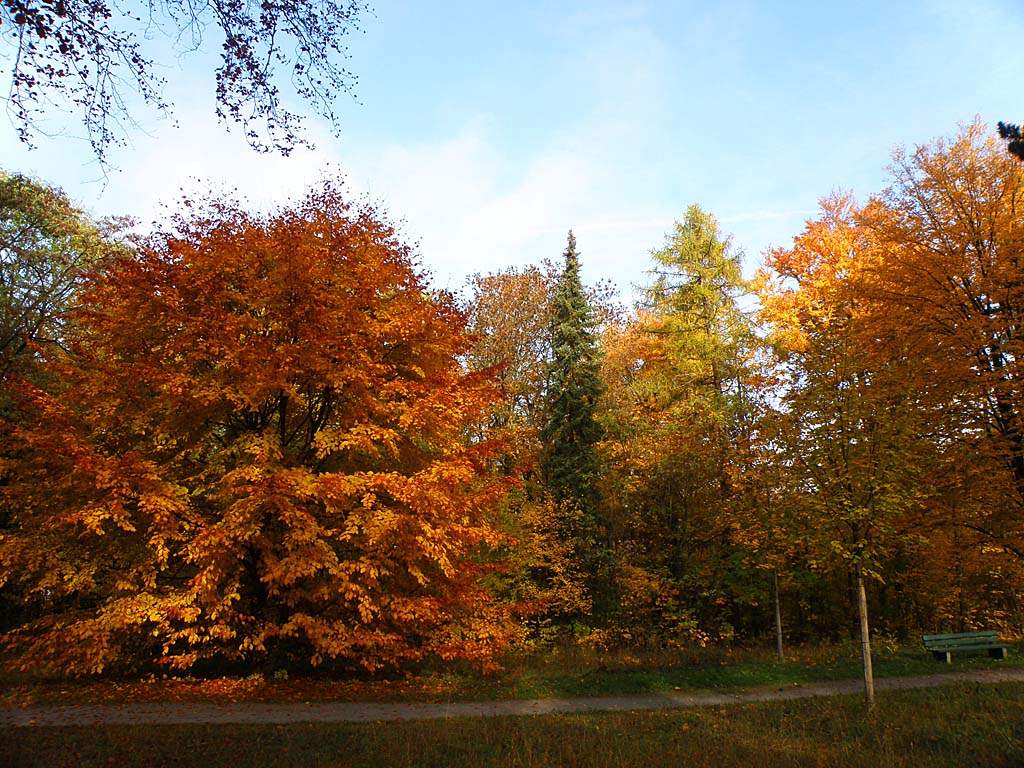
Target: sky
x=486 y=130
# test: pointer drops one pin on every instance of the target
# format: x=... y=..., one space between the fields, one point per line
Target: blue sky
x=488 y=129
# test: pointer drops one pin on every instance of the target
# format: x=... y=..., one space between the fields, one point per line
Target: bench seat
x=943 y=646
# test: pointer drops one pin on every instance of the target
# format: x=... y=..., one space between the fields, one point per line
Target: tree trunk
x=865 y=638
x=778 y=616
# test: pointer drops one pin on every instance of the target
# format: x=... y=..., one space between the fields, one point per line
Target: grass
x=582 y=672
x=560 y=673
x=964 y=725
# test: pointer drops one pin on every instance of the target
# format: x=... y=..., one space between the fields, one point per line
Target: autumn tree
x=697 y=292
x=951 y=292
x=254 y=453
x=696 y=301
x=764 y=528
x=509 y=317
x=678 y=379
x=854 y=440
x=46 y=243
x=946 y=301
x=92 y=54
x=648 y=458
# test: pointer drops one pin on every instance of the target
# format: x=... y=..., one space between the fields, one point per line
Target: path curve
x=357 y=712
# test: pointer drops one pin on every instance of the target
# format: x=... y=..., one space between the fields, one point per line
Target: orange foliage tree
x=951 y=292
x=901 y=429
x=946 y=303
x=255 y=453
x=509 y=315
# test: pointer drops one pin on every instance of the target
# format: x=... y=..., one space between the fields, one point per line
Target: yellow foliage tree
x=853 y=447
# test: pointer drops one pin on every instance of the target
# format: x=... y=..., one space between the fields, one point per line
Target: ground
x=335 y=712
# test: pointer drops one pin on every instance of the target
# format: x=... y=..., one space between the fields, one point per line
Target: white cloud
x=192 y=154
x=200 y=155
x=470 y=208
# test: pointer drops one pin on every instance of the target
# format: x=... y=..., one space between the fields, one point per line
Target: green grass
x=963 y=725
x=581 y=672
x=559 y=673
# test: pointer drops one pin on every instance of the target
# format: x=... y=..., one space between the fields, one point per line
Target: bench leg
x=997 y=653
x=943 y=656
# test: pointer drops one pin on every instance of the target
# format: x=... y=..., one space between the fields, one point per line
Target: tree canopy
x=571 y=431
x=253 y=452
x=46 y=244
x=264 y=440
x=96 y=55
x=1011 y=134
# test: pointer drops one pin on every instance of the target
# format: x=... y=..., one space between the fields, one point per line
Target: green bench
x=941 y=646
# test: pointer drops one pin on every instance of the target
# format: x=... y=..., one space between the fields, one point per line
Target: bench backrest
x=955 y=639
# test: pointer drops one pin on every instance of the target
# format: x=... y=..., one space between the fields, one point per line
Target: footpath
x=355 y=712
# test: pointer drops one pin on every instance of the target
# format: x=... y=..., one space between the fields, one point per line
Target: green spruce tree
x=571 y=432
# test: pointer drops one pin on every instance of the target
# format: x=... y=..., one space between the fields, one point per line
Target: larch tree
x=681 y=365
x=695 y=301
x=697 y=292
x=253 y=452
x=653 y=492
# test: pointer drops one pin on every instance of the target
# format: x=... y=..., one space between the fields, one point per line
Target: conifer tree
x=696 y=295
x=1013 y=137
x=571 y=432
x=674 y=445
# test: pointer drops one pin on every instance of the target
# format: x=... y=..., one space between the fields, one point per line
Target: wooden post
x=778 y=616
x=865 y=639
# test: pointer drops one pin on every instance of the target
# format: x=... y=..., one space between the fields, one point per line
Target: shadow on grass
x=556 y=673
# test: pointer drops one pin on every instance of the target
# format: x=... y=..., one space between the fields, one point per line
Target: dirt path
x=351 y=712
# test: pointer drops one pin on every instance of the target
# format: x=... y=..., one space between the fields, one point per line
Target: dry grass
x=962 y=726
